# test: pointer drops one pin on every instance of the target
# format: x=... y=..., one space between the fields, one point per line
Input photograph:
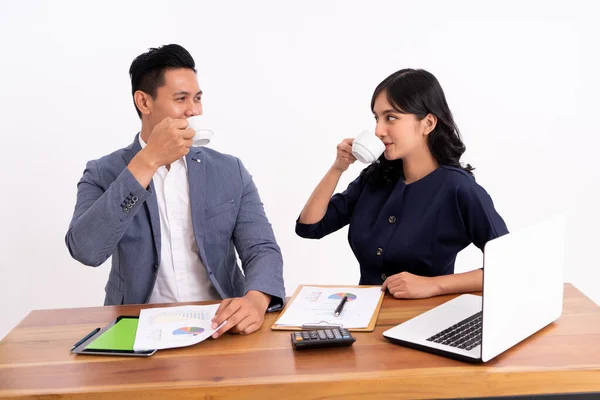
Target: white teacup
x=367 y=147
x=203 y=134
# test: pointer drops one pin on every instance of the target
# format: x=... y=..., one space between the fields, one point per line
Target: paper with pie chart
x=315 y=305
x=169 y=327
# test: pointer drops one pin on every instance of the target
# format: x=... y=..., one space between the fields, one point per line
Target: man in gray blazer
x=172 y=216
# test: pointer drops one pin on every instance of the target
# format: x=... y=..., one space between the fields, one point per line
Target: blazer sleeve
x=255 y=243
x=102 y=214
x=338 y=214
x=481 y=220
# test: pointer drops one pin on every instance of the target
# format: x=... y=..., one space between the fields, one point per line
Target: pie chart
x=188 y=330
x=339 y=296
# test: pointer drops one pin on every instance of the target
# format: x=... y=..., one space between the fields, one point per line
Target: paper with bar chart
x=169 y=327
x=316 y=305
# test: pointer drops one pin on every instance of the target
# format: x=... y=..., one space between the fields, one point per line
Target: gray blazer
x=115 y=216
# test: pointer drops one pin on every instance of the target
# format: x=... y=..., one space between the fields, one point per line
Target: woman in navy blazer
x=417 y=206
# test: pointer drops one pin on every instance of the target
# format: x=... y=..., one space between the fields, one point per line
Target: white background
x=284 y=82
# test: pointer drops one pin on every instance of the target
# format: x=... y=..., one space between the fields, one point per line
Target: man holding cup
x=171 y=214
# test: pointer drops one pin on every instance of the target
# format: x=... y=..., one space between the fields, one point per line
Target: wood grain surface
x=35 y=362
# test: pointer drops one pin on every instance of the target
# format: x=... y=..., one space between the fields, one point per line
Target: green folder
x=120 y=336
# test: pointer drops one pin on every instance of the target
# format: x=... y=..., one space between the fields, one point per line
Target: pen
x=339 y=308
x=89 y=335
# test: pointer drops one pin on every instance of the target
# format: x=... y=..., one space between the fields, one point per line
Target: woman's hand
x=409 y=286
x=344 y=156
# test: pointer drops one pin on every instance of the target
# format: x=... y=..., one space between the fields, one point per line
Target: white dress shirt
x=181 y=274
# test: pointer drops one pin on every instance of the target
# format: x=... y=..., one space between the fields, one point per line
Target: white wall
x=284 y=82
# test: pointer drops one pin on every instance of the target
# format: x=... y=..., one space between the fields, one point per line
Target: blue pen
x=89 y=335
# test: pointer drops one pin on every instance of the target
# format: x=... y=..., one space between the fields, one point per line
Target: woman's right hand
x=316 y=206
x=344 y=155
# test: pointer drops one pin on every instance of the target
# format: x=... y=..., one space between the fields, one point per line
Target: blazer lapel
x=197 y=179
x=151 y=203
x=152 y=210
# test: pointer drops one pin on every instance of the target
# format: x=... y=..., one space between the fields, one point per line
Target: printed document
x=315 y=305
x=169 y=327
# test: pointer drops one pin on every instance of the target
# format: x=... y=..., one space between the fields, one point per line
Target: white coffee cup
x=203 y=134
x=367 y=147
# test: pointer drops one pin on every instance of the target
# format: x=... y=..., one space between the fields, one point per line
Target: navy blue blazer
x=418 y=228
x=115 y=216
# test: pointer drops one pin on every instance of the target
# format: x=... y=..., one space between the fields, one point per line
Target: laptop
x=522 y=293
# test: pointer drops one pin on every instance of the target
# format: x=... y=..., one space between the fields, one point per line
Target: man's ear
x=428 y=123
x=143 y=101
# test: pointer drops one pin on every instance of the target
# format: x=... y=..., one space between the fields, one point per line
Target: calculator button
x=329 y=334
x=305 y=335
x=313 y=335
x=337 y=334
x=322 y=334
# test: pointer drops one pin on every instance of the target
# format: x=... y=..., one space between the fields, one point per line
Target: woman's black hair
x=416 y=91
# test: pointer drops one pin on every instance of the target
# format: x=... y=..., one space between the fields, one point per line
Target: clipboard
x=325 y=324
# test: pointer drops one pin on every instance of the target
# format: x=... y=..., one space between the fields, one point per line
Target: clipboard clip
x=321 y=325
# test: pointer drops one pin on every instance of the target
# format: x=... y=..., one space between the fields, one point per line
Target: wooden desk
x=35 y=362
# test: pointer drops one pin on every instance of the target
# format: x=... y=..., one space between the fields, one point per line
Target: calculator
x=322 y=338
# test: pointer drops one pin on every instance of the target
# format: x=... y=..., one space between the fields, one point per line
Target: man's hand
x=409 y=286
x=170 y=140
x=243 y=314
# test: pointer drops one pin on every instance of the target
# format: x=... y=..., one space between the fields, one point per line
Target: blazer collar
x=132 y=149
x=196 y=166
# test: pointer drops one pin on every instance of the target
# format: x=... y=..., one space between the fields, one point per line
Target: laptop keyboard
x=464 y=335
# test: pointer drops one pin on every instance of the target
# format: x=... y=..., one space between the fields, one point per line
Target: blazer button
x=392 y=219
x=379 y=251
x=383 y=277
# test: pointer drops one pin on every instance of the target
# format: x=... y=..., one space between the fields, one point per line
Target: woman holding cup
x=416 y=206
